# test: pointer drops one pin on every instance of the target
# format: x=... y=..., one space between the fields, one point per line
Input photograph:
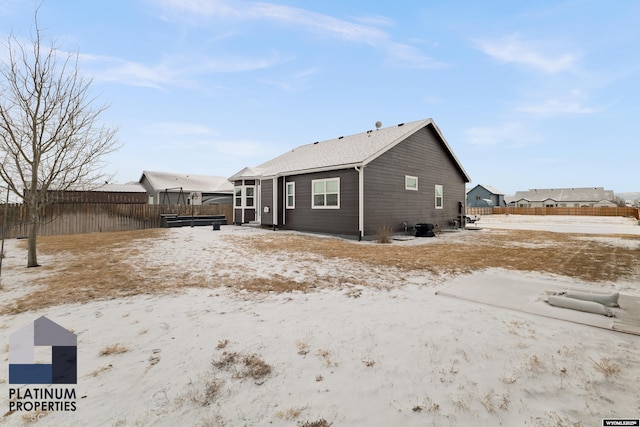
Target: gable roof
x=489 y=188
x=343 y=152
x=161 y=181
x=564 y=194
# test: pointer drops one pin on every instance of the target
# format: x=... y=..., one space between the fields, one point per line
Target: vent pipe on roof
x=378 y=124
x=400 y=124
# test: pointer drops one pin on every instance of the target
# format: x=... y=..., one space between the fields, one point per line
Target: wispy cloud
x=511 y=134
x=572 y=103
x=552 y=107
x=195 y=135
x=292 y=82
x=513 y=49
x=165 y=73
x=363 y=30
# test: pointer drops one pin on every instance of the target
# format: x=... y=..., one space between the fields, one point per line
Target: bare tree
x=50 y=136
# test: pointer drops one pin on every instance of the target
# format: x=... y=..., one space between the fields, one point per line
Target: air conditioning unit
x=195 y=198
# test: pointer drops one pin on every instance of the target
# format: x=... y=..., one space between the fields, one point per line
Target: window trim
x=441 y=196
x=292 y=185
x=237 y=195
x=242 y=196
x=406 y=183
x=313 y=194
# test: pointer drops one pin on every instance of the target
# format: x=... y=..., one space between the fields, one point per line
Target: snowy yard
x=253 y=327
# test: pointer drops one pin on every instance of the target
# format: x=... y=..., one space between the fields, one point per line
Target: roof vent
x=315 y=142
x=401 y=124
x=340 y=137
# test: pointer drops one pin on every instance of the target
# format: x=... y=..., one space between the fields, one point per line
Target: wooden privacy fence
x=97 y=217
x=599 y=211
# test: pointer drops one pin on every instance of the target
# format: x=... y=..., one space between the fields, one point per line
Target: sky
x=528 y=94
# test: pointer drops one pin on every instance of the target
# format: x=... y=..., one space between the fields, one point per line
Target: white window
x=244 y=196
x=411 y=183
x=439 y=197
x=325 y=193
x=248 y=199
x=238 y=197
x=291 y=195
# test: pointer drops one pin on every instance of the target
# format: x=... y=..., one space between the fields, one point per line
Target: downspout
x=274 y=205
x=284 y=200
x=360 y=171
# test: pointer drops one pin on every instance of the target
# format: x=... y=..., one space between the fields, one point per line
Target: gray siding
x=333 y=221
x=387 y=202
x=478 y=196
x=266 y=200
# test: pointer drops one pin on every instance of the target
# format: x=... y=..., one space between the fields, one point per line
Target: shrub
x=384 y=233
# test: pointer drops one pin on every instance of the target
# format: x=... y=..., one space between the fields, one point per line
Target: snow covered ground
x=363 y=355
x=563 y=223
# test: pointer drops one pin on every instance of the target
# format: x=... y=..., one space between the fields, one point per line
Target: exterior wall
x=387 y=202
x=604 y=203
x=266 y=201
x=334 y=221
x=162 y=197
x=560 y=204
x=478 y=196
x=149 y=189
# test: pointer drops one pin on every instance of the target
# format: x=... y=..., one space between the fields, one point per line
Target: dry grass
x=303 y=348
x=33 y=417
x=317 y=423
x=99 y=371
x=557 y=253
x=384 y=234
x=290 y=414
x=102 y=254
x=243 y=365
x=114 y=349
x=606 y=366
x=208 y=394
x=106 y=256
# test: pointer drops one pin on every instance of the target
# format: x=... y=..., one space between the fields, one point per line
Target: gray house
x=485 y=196
x=165 y=188
x=563 y=198
x=397 y=176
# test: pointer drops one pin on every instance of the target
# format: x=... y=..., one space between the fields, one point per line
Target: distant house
x=131 y=193
x=164 y=188
x=396 y=176
x=485 y=196
x=563 y=198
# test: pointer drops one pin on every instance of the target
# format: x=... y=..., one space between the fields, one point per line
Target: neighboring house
x=563 y=198
x=165 y=188
x=131 y=193
x=485 y=196
x=397 y=176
